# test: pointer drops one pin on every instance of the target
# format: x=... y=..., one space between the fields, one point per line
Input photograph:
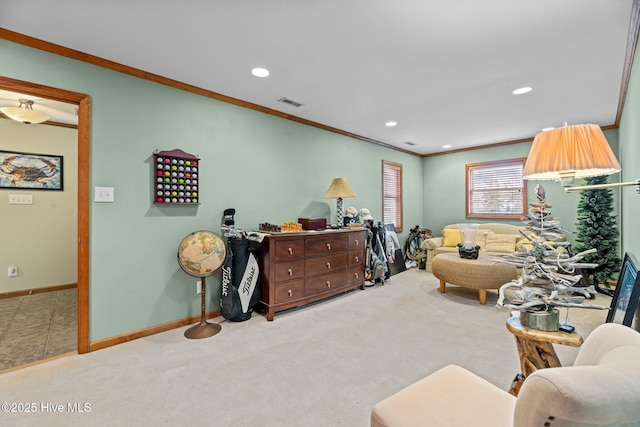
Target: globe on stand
x=201 y=254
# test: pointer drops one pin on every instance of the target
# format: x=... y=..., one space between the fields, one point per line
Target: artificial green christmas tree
x=597 y=229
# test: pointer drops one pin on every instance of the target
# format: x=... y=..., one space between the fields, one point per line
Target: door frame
x=83 y=102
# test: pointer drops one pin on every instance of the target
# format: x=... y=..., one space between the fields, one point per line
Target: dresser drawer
x=356 y=258
x=355 y=273
x=326 y=264
x=289 y=249
x=289 y=291
x=305 y=267
x=288 y=270
x=357 y=241
x=326 y=282
x=324 y=245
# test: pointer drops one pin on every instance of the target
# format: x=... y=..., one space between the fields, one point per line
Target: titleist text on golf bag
x=240 y=273
x=240 y=281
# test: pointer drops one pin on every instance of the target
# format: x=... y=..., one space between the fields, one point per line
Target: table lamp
x=339 y=189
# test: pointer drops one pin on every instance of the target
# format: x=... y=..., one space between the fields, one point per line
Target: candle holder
x=467 y=249
x=468 y=253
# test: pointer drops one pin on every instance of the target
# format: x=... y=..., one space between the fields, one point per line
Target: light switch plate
x=20 y=199
x=103 y=194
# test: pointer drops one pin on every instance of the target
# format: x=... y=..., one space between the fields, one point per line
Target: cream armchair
x=602 y=388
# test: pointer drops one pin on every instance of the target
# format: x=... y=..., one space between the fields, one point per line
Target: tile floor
x=37 y=327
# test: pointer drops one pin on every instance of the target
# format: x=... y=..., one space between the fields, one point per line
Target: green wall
x=269 y=169
x=630 y=161
x=444 y=186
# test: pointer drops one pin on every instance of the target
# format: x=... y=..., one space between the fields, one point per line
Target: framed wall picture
x=30 y=171
x=625 y=298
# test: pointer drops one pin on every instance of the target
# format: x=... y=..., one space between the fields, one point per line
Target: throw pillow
x=523 y=242
x=481 y=238
x=503 y=243
x=452 y=236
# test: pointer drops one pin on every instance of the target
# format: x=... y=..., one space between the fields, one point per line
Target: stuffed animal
x=366 y=217
x=350 y=216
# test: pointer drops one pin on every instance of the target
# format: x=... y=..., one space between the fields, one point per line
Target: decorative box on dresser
x=303 y=267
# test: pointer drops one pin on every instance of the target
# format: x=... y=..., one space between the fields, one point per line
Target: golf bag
x=376 y=266
x=240 y=275
x=393 y=250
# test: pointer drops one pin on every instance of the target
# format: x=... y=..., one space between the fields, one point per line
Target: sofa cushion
x=452 y=236
x=481 y=238
x=501 y=243
x=434 y=246
x=525 y=243
x=432 y=243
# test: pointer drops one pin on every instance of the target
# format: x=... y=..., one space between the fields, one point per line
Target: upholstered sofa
x=602 y=388
x=493 y=239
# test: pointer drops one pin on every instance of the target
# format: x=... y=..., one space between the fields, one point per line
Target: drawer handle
x=357 y=243
x=290 y=293
x=328 y=266
x=328 y=284
x=329 y=246
x=357 y=276
x=290 y=251
x=290 y=272
x=357 y=259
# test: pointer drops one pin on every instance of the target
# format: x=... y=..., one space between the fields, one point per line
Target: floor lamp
x=569 y=152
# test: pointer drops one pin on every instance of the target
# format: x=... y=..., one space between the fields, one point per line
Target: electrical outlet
x=199 y=286
x=13 y=271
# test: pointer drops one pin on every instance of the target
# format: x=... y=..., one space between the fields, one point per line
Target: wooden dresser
x=300 y=268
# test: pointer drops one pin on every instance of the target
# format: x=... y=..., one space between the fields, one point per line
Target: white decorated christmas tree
x=552 y=275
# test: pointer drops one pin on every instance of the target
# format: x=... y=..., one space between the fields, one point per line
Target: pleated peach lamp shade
x=569 y=152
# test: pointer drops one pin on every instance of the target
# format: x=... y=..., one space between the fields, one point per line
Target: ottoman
x=483 y=273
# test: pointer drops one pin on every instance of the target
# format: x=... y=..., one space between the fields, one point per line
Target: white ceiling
x=443 y=69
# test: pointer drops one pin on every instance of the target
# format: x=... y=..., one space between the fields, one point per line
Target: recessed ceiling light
x=260 y=72
x=446 y=146
x=391 y=124
x=522 y=90
x=546 y=129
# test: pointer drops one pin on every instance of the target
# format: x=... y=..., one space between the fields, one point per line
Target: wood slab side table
x=535 y=349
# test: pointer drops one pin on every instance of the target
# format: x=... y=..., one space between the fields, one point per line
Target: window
x=392 y=194
x=496 y=189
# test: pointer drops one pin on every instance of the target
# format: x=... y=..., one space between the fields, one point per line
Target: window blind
x=392 y=194
x=496 y=189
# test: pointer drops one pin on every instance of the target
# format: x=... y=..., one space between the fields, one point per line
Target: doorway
x=83 y=102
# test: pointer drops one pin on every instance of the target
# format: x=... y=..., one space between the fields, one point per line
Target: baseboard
x=119 y=339
x=33 y=291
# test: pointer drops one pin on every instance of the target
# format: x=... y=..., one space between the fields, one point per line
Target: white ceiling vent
x=286 y=100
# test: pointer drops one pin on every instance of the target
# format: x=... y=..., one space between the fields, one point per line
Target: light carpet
x=322 y=365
